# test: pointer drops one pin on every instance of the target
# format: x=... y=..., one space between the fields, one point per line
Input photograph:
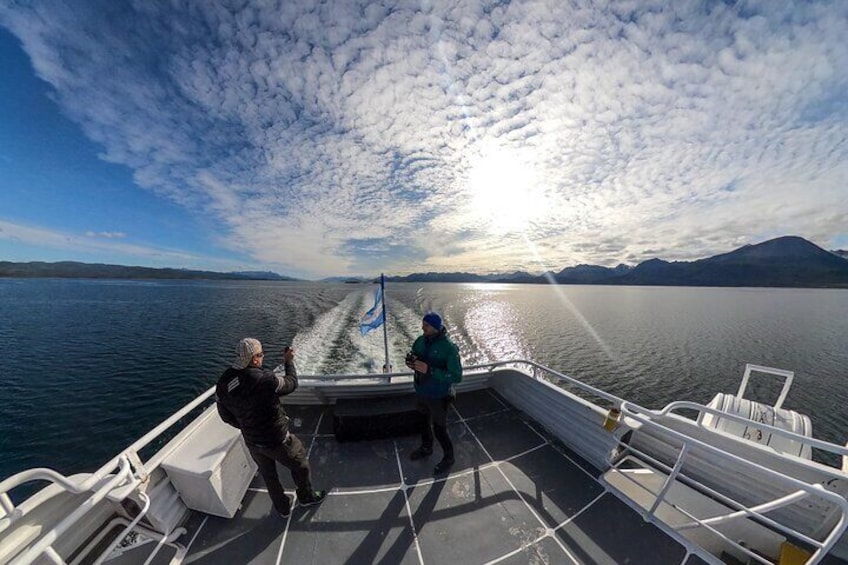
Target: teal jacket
x=442 y=358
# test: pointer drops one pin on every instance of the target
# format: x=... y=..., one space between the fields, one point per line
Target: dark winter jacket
x=249 y=399
x=442 y=358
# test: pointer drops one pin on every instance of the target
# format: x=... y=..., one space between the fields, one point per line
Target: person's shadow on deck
x=242 y=540
x=368 y=549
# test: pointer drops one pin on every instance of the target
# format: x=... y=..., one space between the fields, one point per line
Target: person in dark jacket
x=249 y=399
x=435 y=360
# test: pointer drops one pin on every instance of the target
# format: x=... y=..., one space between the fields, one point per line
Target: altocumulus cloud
x=342 y=137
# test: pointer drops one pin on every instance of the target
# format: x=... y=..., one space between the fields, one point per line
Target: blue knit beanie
x=434 y=320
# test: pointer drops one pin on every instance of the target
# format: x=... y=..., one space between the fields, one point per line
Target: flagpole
x=386 y=368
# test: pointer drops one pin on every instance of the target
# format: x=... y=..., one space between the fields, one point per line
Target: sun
x=504 y=191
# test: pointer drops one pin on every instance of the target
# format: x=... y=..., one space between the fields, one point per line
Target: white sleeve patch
x=233 y=384
x=281 y=384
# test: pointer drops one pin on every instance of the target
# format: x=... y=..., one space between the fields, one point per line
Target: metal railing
x=44 y=545
x=129 y=458
x=798 y=488
x=701 y=409
x=376 y=377
x=125 y=462
x=646 y=418
x=536 y=370
x=145 y=507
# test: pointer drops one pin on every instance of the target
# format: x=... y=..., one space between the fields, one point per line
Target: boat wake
x=334 y=345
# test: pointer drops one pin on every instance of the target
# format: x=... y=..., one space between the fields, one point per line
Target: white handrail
x=485 y=366
x=744 y=511
x=814 y=489
x=144 y=440
x=46 y=541
x=45 y=474
x=813 y=442
x=755 y=510
x=360 y=376
x=819 y=490
x=42 y=473
x=685 y=512
x=105 y=553
x=6 y=504
x=817 y=443
x=718 y=496
x=18 y=479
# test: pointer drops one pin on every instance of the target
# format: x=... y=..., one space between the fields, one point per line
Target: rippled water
x=89 y=366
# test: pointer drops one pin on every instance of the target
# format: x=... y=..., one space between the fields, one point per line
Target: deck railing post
x=54 y=556
x=669 y=480
x=138 y=466
x=120 y=537
x=7 y=504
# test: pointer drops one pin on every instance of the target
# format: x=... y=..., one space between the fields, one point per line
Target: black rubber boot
x=444 y=465
x=311 y=497
x=421 y=453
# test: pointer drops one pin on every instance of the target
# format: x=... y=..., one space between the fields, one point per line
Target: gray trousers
x=290 y=454
x=436 y=411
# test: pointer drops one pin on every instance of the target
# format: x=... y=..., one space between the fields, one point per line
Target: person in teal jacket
x=435 y=360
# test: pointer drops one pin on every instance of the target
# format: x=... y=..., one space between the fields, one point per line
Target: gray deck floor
x=514 y=496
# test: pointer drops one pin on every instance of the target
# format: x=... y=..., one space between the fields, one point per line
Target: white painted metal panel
x=212 y=469
x=573 y=420
x=327 y=392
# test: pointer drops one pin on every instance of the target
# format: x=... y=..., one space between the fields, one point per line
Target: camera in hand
x=411 y=358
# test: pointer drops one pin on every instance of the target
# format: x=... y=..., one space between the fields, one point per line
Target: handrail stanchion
x=105 y=553
x=669 y=480
x=6 y=503
x=54 y=556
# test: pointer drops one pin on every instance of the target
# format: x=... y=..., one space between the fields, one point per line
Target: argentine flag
x=373 y=318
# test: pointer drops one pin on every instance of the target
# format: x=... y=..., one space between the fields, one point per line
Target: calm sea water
x=86 y=367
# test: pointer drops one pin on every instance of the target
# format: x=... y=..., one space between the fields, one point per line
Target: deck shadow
x=252 y=536
x=352 y=528
x=610 y=532
x=470 y=518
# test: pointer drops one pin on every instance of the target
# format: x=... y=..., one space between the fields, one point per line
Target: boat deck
x=515 y=495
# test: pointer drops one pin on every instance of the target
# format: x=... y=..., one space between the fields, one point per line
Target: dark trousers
x=290 y=454
x=436 y=411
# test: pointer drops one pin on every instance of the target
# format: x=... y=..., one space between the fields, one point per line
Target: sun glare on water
x=504 y=191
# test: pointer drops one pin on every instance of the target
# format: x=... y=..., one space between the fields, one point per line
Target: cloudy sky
x=336 y=138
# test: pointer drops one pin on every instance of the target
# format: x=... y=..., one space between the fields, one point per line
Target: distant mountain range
x=349 y=280
x=782 y=262
x=261 y=275
x=73 y=269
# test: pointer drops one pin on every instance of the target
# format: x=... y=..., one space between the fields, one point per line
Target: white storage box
x=211 y=468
